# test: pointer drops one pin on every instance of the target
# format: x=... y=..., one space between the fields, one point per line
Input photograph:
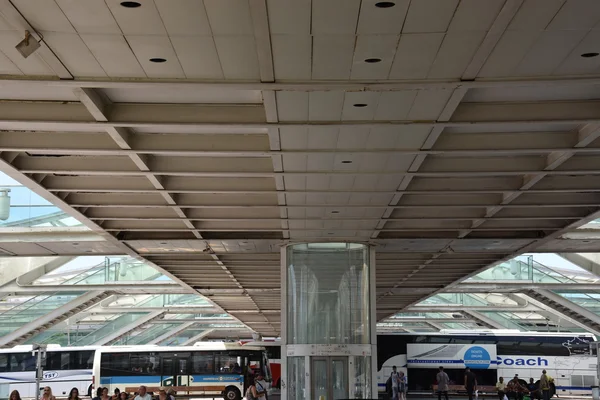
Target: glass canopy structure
x=501 y=298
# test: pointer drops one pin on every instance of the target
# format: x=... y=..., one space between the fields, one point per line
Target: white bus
x=205 y=369
x=63 y=369
x=567 y=357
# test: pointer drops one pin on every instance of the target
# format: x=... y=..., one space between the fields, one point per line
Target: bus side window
x=20 y=362
x=202 y=364
x=3 y=362
x=226 y=364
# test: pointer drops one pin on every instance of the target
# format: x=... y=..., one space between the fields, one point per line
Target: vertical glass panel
x=362 y=377
x=328 y=293
x=339 y=378
x=296 y=378
x=320 y=384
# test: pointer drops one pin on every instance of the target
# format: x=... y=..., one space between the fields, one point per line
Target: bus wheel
x=232 y=393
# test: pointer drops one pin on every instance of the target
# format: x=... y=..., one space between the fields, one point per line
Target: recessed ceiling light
x=158 y=60
x=359 y=105
x=164 y=243
x=75 y=244
x=130 y=4
x=590 y=55
x=330 y=233
x=373 y=60
x=385 y=4
x=335 y=212
x=347 y=162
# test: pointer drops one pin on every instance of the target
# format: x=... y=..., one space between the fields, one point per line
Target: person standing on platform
x=261 y=386
x=143 y=394
x=48 y=394
x=501 y=388
x=545 y=381
x=515 y=389
x=470 y=382
x=534 y=392
x=403 y=386
x=395 y=377
x=442 y=381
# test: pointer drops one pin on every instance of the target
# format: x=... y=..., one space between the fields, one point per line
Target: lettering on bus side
x=530 y=361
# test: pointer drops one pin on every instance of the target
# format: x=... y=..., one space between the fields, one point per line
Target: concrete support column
x=328 y=321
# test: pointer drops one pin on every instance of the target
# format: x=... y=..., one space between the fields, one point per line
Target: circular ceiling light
x=130 y=4
x=372 y=60
x=385 y=4
x=158 y=60
x=359 y=105
x=590 y=55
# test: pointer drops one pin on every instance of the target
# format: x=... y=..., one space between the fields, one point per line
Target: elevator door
x=329 y=378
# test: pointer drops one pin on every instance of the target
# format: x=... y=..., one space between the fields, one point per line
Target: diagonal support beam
x=55 y=316
x=561 y=315
x=198 y=337
x=483 y=319
x=128 y=328
x=172 y=332
x=584 y=136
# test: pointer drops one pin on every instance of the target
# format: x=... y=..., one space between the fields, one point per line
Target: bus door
x=175 y=368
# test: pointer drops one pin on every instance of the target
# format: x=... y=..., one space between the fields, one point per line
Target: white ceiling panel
x=5 y=26
x=332 y=56
x=360 y=106
x=289 y=17
x=535 y=15
x=548 y=52
x=322 y=137
x=426 y=16
x=184 y=17
x=332 y=17
x=229 y=17
x=44 y=15
x=198 y=56
x=574 y=64
x=397 y=137
x=320 y=162
x=475 y=15
x=352 y=137
x=238 y=57
x=415 y=54
x=74 y=54
x=325 y=106
x=114 y=55
x=376 y=20
x=149 y=47
x=292 y=56
x=293 y=137
x=576 y=15
x=455 y=54
x=381 y=47
x=508 y=53
x=395 y=106
x=91 y=16
x=428 y=104
x=32 y=65
x=144 y=20
x=292 y=106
